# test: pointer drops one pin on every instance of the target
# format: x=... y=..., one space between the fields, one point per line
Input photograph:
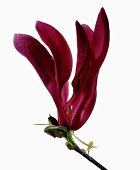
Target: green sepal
x=56 y=131
x=61 y=132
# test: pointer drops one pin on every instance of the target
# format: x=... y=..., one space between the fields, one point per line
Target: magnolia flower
x=55 y=69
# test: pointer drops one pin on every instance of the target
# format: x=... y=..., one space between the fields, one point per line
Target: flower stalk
x=61 y=131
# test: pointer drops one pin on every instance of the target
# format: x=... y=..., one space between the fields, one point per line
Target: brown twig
x=84 y=154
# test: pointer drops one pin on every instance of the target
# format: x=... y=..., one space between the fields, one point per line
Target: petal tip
x=16 y=35
x=103 y=13
x=37 y=23
x=16 y=38
x=77 y=23
x=102 y=9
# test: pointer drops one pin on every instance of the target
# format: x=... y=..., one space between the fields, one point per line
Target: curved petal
x=86 y=98
x=84 y=108
x=39 y=57
x=89 y=105
x=89 y=32
x=101 y=35
x=60 y=50
x=83 y=59
x=43 y=63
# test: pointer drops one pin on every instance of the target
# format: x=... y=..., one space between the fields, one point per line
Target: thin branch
x=84 y=154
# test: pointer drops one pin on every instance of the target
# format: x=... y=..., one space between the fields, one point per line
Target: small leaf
x=90 y=146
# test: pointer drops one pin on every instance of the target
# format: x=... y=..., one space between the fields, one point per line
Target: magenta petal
x=85 y=102
x=84 y=106
x=83 y=82
x=44 y=64
x=60 y=50
x=89 y=32
x=83 y=59
x=101 y=35
x=40 y=59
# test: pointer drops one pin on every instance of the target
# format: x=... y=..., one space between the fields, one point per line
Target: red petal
x=60 y=50
x=101 y=35
x=44 y=64
x=89 y=32
x=83 y=59
x=38 y=56
x=84 y=107
x=85 y=102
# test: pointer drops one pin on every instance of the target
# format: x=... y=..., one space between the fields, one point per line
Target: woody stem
x=80 y=151
x=84 y=154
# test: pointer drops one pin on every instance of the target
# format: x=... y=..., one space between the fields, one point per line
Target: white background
x=115 y=122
